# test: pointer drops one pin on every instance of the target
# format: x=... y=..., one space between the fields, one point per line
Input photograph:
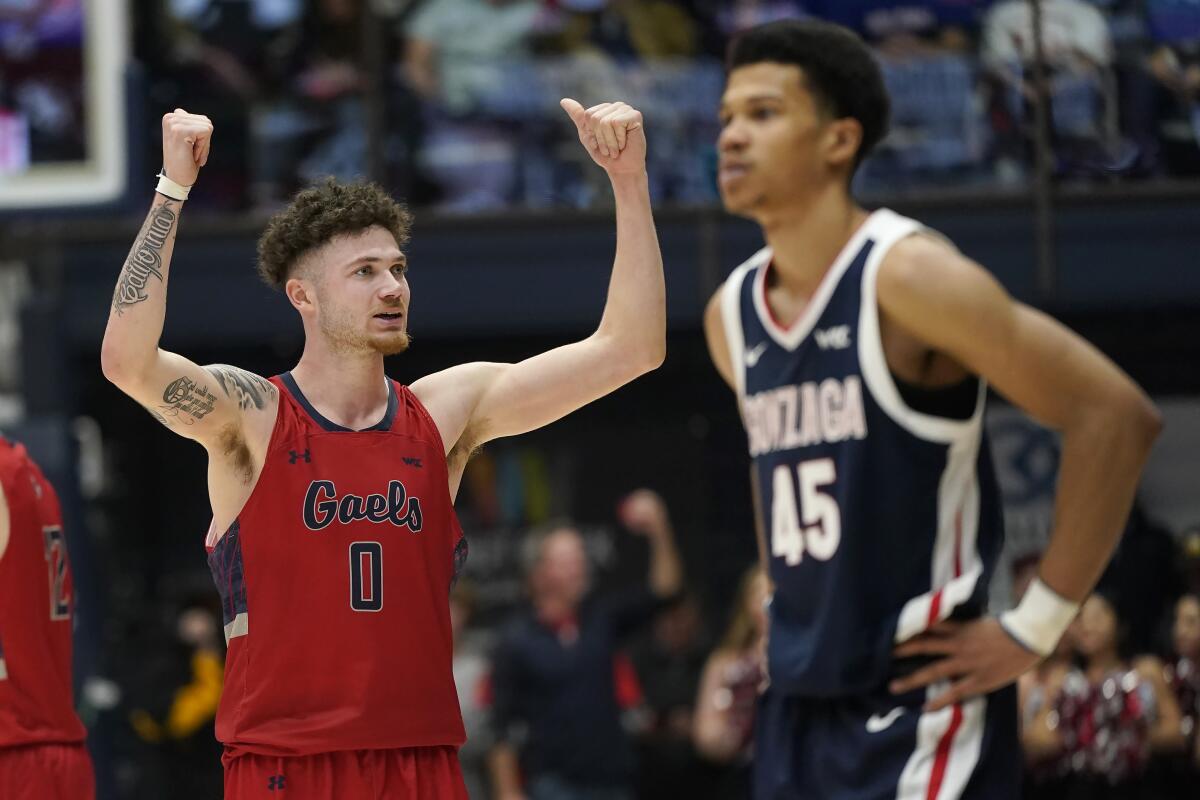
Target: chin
x=391 y=344
x=741 y=204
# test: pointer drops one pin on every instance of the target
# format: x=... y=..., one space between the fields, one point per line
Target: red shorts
x=46 y=772
x=407 y=773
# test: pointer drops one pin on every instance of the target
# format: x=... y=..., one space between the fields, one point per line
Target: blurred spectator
x=556 y=712
x=1112 y=715
x=734 y=17
x=1183 y=676
x=471 y=678
x=1174 y=65
x=729 y=689
x=905 y=27
x=629 y=30
x=1078 y=49
x=41 y=83
x=465 y=60
x=221 y=58
x=175 y=708
x=1145 y=548
x=668 y=663
x=1047 y=768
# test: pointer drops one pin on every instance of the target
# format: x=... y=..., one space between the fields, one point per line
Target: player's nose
x=733 y=137
x=393 y=286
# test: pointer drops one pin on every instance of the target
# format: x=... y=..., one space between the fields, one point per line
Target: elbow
x=1142 y=419
x=652 y=356
x=116 y=365
x=113 y=364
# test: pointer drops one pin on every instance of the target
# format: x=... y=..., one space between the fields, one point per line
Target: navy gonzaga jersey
x=880 y=520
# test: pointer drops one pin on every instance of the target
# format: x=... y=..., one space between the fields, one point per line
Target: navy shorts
x=882 y=747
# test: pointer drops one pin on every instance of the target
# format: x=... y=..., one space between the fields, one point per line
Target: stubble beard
x=344 y=338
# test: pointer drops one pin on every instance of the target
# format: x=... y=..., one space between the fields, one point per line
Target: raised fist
x=612 y=134
x=186 y=141
x=644 y=512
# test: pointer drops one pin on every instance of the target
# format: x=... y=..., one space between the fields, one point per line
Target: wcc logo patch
x=322 y=506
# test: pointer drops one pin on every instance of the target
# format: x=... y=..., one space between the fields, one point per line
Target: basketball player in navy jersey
x=334 y=541
x=860 y=346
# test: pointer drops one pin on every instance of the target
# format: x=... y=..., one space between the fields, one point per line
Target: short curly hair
x=318 y=214
x=839 y=70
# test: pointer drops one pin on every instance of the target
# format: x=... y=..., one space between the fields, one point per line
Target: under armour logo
x=293 y=457
x=276 y=782
x=412 y=462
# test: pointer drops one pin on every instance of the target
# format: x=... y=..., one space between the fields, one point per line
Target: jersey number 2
x=56 y=563
x=366 y=576
x=817 y=526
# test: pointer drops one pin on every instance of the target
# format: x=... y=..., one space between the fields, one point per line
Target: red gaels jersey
x=36 y=594
x=335 y=581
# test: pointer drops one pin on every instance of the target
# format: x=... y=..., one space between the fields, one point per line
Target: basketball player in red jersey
x=42 y=755
x=334 y=541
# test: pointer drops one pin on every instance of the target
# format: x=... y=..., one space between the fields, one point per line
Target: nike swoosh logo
x=876 y=723
x=754 y=355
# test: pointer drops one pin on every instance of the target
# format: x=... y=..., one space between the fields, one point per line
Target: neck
x=1101 y=664
x=553 y=609
x=348 y=388
x=807 y=236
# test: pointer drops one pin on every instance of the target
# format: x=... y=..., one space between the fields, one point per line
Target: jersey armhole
x=213 y=536
x=423 y=411
x=731 y=321
x=877 y=375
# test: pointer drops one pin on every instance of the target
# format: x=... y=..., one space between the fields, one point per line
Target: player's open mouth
x=396 y=315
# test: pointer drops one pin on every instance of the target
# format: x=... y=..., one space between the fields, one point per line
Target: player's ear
x=300 y=293
x=843 y=137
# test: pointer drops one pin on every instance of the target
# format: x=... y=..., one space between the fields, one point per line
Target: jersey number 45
x=816 y=526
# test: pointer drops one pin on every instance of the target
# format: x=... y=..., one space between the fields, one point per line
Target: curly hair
x=318 y=214
x=839 y=70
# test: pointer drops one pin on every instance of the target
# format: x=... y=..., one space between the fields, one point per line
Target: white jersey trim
x=891 y=228
x=944 y=751
x=239 y=627
x=731 y=316
x=791 y=337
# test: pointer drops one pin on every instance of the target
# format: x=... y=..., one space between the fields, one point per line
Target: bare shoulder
x=451 y=396
x=916 y=263
x=714 y=334
x=241 y=444
x=250 y=392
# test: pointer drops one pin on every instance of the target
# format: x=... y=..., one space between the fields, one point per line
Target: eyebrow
x=400 y=259
x=753 y=98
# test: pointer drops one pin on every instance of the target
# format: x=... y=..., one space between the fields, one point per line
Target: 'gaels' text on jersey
x=335 y=581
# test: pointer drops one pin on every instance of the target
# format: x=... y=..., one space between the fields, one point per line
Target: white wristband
x=1040 y=619
x=171 y=189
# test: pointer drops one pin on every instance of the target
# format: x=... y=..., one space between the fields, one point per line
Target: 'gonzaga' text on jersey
x=880 y=519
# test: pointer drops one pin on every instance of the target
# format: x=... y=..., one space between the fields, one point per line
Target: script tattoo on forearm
x=246 y=388
x=145 y=261
x=187 y=401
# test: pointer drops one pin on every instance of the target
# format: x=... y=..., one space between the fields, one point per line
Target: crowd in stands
x=454 y=103
x=592 y=693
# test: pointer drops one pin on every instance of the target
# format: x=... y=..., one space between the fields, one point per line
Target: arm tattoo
x=145 y=261
x=183 y=396
x=246 y=388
